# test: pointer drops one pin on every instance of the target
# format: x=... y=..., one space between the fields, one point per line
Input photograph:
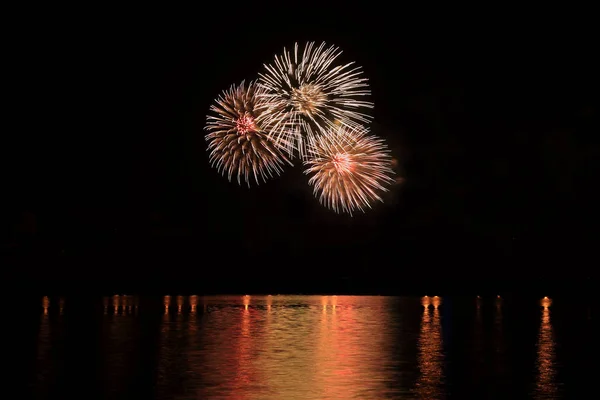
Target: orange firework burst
x=349 y=168
x=237 y=137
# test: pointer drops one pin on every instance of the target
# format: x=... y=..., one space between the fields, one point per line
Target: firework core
x=245 y=124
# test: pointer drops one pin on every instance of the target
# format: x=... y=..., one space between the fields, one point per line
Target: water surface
x=309 y=347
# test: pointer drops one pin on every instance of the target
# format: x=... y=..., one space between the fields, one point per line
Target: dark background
x=488 y=112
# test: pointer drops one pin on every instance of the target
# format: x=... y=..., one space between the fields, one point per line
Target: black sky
x=489 y=116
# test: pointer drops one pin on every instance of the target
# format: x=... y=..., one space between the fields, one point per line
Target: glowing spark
x=237 y=137
x=308 y=93
x=349 y=169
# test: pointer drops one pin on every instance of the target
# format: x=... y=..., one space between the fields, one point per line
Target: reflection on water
x=242 y=357
x=478 y=359
x=193 y=304
x=545 y=387
x=346 y=331
x=293 y=347
x=45 y=304
x=44 y=346
x=167 y=303
x=49 y=362
x=499 y=360
x=431 y=356
x=280 y=347
x=119 y=344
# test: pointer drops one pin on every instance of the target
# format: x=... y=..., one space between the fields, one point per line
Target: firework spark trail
x=308 y=96
x=349 y=168
x=238 y=135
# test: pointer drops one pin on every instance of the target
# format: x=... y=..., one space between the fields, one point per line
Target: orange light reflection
x=302 y=349
x=45 y=304
x=244 y=344
x=164 y=348
x=124 y=304
x=115 y=304
x=345 y=332
x=546 y=302
x=431 y=356
x=179 y=304
x=44 y=342
x=193 y=303
x=498 y=339
x=167 y=302
x=545 y=383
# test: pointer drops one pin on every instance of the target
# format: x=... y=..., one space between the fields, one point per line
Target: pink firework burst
x=349 y=168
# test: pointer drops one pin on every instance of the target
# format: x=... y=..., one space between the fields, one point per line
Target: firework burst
x=308 y=95
x=349 y=168
x=237 y=137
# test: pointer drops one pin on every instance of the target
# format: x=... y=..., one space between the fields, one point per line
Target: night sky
x=490 y=120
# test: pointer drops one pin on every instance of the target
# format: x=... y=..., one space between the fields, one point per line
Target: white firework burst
x=308 y=95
